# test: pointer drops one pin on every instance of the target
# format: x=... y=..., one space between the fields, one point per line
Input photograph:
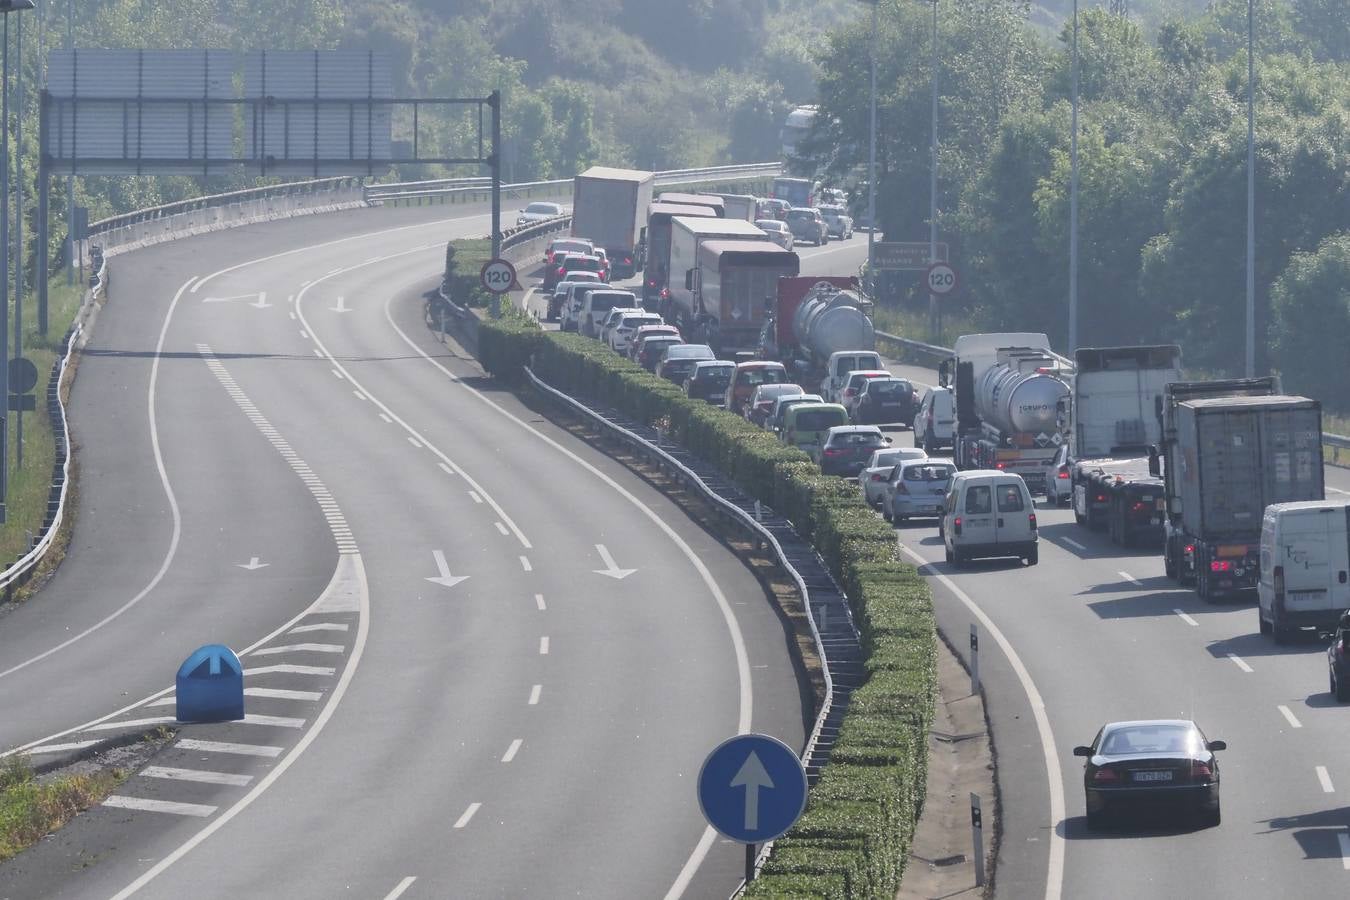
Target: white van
x=935 y=422
x=1305 y=564
x=988 y=513
x=840 y=365
x=595 y=308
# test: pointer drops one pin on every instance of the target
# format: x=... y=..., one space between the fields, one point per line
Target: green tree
x=1310 y=305
x=1325 y=25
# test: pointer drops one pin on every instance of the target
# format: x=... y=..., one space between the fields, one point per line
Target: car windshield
x=692 y=351
x=927 y=472
x=1160 y=738
x=799 y=215
x=603 y=300
x=571 y=247
x=819 y=419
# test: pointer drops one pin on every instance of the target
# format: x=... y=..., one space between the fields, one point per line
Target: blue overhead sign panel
x=752 y=788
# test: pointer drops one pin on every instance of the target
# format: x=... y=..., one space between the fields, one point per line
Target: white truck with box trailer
x=609 y=208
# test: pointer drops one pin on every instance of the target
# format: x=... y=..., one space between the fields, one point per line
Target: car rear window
x=929 y=473
x=1010 y=498
x=584 y=264
x=889 y=389
x=1151 y=739
x=600 y=301
x=819 y=419
x=760 y=376
x=857 y=439
x=978 y=501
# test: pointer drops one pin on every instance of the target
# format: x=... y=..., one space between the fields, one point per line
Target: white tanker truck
x=1009 y=388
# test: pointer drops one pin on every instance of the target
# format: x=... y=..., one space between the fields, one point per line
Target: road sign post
x=752 y=788
x=941 y=279
x=902 y=256
x=497 y=276
x=977 y=838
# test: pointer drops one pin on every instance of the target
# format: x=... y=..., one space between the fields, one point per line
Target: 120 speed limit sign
x=498 y=276
x=941 y=278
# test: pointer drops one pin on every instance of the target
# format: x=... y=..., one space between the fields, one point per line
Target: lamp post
x=1073 y=195
x=934 y=314
x=1251 y=200
x=872 y=162
x=18 y=237
x=6 y=7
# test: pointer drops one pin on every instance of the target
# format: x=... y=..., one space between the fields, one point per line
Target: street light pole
x=1251 y=200
x=18 y=236
x=872 y=164
x=934 y=314
x=1073 y=196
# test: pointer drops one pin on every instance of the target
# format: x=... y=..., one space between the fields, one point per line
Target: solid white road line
x=199 y=775
x=1054 y=881
x=525 y=564
x=1239 y=662
x=263 y=750
x=539 y=602
x=468 y=814
x=286 y=669
x=282 y=694
x=511 y=751
x=543 y=646
x=1324 y=778
x=534 y=694
x=1344 y=838
x=59 y=748
x=400 y=888
x=1131 y=579
x=200 y=810
x=1289 y=717
x=1185 y=618
x=319 y=626
x=1074 y=544
x=295 y=648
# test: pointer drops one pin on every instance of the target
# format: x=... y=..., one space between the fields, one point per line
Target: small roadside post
x=974 y=659
x=977 y=837
x=752 y=788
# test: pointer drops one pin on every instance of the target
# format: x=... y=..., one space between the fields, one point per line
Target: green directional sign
x=905 y=255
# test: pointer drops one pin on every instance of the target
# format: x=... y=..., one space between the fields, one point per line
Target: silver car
x=777 y=231
x=917 y=487
x=878 y=470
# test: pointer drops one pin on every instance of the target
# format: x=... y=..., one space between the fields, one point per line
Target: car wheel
x=1341 y=691
x=947 y=554
x=1261 y=621
x=1202 y=588
x=1034 y=556
x=958 y=558
x=1096 y=820
x=1169 y=564
x=1281 y=633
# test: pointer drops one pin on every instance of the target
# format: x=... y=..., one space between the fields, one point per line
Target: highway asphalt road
x=1100 y=634
x=451 y=693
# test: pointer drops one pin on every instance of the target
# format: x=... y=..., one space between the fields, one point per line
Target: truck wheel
x=1281 y=633
x=1341 y=691
x=1202 y=588
x=947 y=554
x=1261 y=622
x=1169 y=565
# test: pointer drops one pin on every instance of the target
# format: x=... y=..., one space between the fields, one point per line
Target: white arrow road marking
x=752 y=777
x=445 y=577
x=611 y=568
x=253 y=564
x=341 y=306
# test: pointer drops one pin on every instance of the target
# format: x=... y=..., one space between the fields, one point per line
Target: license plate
x=1307 y=596
x=1152 y=776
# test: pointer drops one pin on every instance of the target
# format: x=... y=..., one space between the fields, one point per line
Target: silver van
x=935 y=422
x=988 y=513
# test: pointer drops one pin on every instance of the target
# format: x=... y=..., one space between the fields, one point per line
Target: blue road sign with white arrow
x=752 y=788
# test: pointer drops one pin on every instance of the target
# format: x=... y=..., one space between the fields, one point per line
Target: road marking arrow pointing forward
x=753 y=777
x=611 y=569
x=341 y=306
x=253 y=564
x=445 y=577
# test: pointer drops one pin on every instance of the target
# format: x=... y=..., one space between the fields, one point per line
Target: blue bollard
x=210 y=686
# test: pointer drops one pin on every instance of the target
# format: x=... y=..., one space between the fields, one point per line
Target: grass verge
x=31 y=809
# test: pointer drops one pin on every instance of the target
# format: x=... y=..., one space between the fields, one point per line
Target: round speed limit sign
x=498 y=276
x=941 y=278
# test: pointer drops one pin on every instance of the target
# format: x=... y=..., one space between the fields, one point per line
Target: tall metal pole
x=934 y=316
x=872 y=163
x=496 y=101
x=4 y=271
x=18 y=235
x=1073 y=197
x=70 y=179
x=1251 y=199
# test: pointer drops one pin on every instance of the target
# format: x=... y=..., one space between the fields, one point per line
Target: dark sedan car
x=678 y=362
x=1155 y=762
x=709 y=380
x=1338 y=659
x=885 y=401
x=847 y=449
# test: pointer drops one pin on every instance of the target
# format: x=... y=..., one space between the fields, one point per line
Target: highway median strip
x=32 y=808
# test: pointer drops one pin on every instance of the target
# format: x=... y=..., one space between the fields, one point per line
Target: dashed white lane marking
x=1324 y=779
x=132 y=723
x=525 y=564
x=199 y=775
x=282 y=694
x=1289 y=716
x=387 y=420
x=400 y=888
x=473 y=495
x=539 y=602
x=1131 y=579
x=201 y=810
x=60 y=748
x=263 y=750
x=289 y=648
x=319 y=626
x=303 y=333
x=1187 y=619
x=318 y=354
x=511 y=751
x=468 y=814
x=357 y=394
x=289 y=669
x=415 y=442
x=1074 y=544
x=1239 y=662
x=338 y=375
x=292 y=314
x=447 y=470
x=501 y=528
x=543 y=646
x=1337 y=490
x=534 y=694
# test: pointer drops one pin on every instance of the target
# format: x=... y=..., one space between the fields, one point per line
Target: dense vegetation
x=1162 y=152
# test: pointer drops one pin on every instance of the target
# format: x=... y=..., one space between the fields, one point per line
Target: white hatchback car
x=621 y=333
x=877 y=472
x=917 y=487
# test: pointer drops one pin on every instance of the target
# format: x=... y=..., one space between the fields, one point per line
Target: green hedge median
x=853 y=841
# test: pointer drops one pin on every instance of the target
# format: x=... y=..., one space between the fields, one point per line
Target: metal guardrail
x=24 y=566
x=823 y=733
x=451 y=187
x=1336 y=442
x=288 y=189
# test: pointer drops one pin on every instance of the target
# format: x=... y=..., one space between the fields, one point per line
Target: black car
x=709 y=381
x=1338 y=659
x=885 y=401
x=1159 y=762
x=847 y=449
